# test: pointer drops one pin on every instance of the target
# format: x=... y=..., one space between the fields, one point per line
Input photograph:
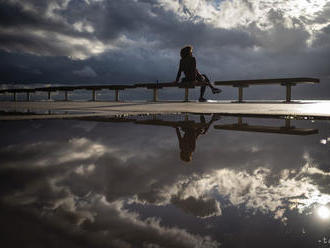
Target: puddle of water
x=165 y=181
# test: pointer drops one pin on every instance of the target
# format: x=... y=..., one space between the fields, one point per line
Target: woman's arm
x=178 y=134
x=179 y=73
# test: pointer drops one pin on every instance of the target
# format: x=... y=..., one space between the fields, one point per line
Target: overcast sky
x=125 y=41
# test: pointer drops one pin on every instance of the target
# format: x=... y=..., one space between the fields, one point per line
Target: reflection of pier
x=286 y=129
x=153 y=122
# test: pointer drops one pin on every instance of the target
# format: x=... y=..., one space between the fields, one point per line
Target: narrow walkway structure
x=240 y=84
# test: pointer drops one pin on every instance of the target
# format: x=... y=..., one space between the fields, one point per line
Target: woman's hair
x=186 y=156
x=186 y=51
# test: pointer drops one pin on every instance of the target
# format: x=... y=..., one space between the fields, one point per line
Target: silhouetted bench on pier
x=68 y=89
x=156 y=86
x=240 y=84
x=287 y=82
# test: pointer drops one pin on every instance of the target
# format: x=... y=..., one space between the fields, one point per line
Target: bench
x=67 y=89
x=116 y=88
x=287 y=82
x=155 y=86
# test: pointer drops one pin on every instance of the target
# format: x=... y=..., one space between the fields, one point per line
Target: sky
x=129 y=41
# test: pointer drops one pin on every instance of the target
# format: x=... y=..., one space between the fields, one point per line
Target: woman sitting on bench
x=188 y=66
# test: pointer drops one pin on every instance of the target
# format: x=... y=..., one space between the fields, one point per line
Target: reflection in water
x=191 y=132
x=323 y=212
x=100 y=183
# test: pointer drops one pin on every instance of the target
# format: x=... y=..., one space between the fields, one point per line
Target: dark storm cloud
x=129 y=41
x=110 y=20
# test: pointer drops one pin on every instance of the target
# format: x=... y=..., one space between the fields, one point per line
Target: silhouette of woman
x=188 y=66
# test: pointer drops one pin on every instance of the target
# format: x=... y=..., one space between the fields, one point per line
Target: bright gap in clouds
x=323 y=212
x=240 y=13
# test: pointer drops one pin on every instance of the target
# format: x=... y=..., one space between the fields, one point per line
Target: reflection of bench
x=188 y=123
x=288 y=82
x=153 y=122
x=287 y=129
x=156 y=86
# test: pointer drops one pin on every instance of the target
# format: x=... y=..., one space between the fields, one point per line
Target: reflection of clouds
x=325 y=141
x=70 y=202
x=91 y=182
x=138 y=176
x=109 y=224
x=199 y=207
x=299 y=188
x=52 y=153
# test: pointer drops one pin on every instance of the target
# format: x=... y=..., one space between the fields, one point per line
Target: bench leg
x=93 y=95
x=240 y=121
x=155 y=98
x=14 y=96
x=28 y=96
x=287 y=123
x=240 y=94
x=117 y=95
x=66 y=95
x=288 y=93
x=186 y=94
x=49 y=95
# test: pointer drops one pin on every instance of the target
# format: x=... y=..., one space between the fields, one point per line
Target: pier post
x=155 y=95
x=186 y=94
x=28 y=96
x=116 y=95
x=66 y=95
x=287 y=123
x=49 y=95
x=14 y=96
x=288 y=93
x=93 y=95
x=240 y=121
x=240 y=94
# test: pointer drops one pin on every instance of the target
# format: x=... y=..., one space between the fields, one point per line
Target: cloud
x=129 y=41
x=87 y=71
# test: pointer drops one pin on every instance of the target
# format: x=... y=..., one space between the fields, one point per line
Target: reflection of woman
x=187 y=142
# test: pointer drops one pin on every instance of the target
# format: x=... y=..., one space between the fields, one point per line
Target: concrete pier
x=316 y=109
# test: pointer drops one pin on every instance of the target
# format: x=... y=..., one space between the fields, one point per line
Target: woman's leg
x=202 y=78
x=206 y=79
x=214 y=89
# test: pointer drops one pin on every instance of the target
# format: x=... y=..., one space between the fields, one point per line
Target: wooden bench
x=287 y=82
x=67 y=89
x=156 y=86
x=116 y=88
x=16 y=91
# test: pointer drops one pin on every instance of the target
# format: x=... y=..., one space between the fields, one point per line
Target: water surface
x=165 y=181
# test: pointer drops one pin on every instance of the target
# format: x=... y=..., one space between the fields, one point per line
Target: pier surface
x=70 y=109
